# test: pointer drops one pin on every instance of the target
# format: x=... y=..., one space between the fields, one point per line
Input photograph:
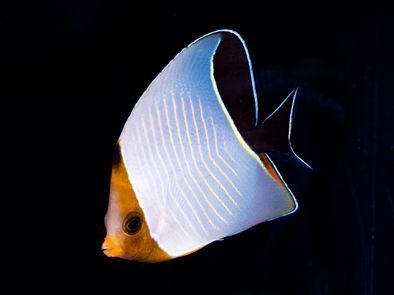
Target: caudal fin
x=273 y=135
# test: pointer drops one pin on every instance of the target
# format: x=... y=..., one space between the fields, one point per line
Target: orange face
x=128 y=234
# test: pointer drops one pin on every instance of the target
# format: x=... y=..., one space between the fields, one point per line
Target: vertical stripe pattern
x=194 y=178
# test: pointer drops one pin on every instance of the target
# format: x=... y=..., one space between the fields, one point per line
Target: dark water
x=70 y=73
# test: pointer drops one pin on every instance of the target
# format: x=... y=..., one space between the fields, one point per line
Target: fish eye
x=132 y=223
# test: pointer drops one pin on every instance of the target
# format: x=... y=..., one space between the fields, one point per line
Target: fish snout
x=105 y=247
x=111 y=248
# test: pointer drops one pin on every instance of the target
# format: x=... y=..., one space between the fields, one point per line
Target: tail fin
x=273 y=135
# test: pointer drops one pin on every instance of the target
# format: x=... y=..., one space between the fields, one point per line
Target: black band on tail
x=273 y=135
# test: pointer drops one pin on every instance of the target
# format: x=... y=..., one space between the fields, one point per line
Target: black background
x=70 y=73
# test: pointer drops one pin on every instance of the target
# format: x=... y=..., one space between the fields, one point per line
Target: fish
x=191 y=165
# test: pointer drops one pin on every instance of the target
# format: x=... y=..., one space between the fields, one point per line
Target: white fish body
x=195 y=177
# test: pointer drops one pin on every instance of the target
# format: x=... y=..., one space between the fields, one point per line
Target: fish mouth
x=105 y=249
x=110 y=249
x=110 y=252
x=113 y=252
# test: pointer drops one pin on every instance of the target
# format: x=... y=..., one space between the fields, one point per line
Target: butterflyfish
x=191 y=164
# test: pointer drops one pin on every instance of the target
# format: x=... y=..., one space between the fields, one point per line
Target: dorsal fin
x=234 y=78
